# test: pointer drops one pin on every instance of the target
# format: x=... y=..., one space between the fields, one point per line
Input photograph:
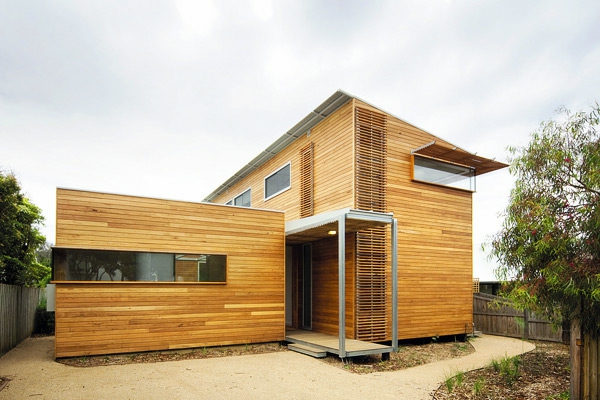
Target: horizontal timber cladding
x=107 y=317
x=332 y=153
x=325 y=304
x=434 y=242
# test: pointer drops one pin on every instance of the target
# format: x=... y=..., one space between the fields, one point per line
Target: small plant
x=560 y=396
x=435 y=338
x=449 y=384
x=508 y=368
x=478 y=386
x=460 y=346
x=459 y=377
x=455 y=380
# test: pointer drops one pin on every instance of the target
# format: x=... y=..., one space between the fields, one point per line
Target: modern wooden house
x=354 y=225
x=378 y=223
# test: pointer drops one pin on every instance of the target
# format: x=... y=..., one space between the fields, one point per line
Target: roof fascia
x=329 y=106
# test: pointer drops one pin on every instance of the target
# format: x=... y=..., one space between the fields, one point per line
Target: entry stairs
x=319 y=345
x=309 y=350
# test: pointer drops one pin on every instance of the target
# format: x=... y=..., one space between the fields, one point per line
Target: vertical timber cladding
x=371 y=255
x=307 y=182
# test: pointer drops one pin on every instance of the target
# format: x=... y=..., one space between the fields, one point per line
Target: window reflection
x=441 y=173
x=107 y=265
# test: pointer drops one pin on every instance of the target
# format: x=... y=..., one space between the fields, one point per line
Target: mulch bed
x=173 y=355
x=410 y=354
x=542 y=374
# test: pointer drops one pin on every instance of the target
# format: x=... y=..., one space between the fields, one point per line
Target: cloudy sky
x=170 y=98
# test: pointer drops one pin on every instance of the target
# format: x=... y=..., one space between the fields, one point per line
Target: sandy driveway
x=289 y=375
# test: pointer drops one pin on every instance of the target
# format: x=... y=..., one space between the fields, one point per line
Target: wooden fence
x=506 y=321
x=17 y=314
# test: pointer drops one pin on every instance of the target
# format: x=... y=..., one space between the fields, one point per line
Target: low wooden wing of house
x=137 y=274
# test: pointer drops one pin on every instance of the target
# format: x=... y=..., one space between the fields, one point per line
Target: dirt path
x=34 y=374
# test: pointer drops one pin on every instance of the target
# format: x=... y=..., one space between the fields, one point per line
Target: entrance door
x=307 y=286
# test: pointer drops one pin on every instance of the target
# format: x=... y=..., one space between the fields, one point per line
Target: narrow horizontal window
x=244 y=199
x=278 y=181
x=442 y=173
x=109 y=265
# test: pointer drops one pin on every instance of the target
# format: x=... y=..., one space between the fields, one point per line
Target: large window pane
x=441 y=173
x=107 y=265
x=278 y=181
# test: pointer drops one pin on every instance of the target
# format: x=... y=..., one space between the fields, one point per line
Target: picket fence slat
x=17 y=314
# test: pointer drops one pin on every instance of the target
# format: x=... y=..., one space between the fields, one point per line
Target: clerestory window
x=442 y=173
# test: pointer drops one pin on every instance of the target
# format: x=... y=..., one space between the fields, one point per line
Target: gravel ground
x=33 y=373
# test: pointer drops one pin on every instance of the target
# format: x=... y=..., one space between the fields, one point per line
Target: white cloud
x=263 y=9
x=198 y=17
x=169 y=99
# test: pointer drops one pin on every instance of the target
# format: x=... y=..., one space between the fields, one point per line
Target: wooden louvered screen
x=306 y=181
x=371 y=261
x=370 y=160
x=371 y=245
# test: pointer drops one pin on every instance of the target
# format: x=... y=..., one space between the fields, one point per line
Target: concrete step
x=308 y=350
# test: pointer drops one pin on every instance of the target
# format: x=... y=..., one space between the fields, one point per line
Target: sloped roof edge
x=328 y=107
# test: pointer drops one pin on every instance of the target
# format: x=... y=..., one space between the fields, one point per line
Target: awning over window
x=456 y=155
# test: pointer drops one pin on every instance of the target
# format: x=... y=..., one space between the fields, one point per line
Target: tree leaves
x=19 y=236
x=549 y=245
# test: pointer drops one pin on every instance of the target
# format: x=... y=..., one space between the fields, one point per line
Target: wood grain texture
x=435 y=222
x=435 y=261
x=104 y=318
x=333 y=142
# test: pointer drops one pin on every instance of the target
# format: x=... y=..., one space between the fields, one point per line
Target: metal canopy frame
x=347 y=221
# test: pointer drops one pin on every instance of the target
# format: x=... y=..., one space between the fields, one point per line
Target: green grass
x=508 y=368
x=478 y=386
x=455 y=380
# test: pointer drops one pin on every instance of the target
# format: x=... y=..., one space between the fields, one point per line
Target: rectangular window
x=443 y=173
x=279 y=181
x=109 y=265
x=244 y=199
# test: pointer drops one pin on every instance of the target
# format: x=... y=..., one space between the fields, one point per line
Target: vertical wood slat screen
x=306 y=181
x=370 y=160
x=371 y=260
x=371 y=245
